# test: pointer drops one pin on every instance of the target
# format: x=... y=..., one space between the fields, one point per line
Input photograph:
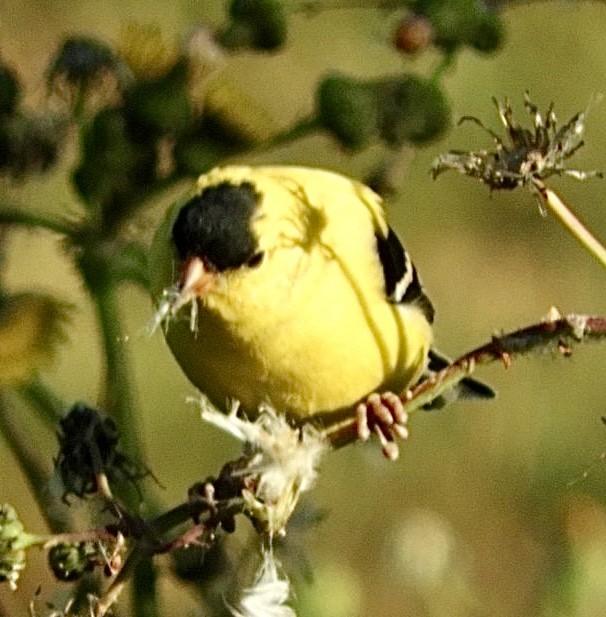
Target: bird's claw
x=384 y=415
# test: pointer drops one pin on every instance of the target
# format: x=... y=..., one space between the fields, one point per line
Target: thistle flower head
x=89 y=447
x=525 y=155
x=86 y=66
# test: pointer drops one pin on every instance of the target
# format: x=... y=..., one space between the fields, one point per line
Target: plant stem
x=300 y=129
x=118 y=401
x=444 y=64
x=118 y=397
x=562 y=212
x=13 y=215
x=33 y=470
x=48 y=405
x=145 y=601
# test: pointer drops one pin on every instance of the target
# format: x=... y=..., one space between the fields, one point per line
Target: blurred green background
x=494 y=509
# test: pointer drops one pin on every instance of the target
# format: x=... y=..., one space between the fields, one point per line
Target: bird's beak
x=195 y=280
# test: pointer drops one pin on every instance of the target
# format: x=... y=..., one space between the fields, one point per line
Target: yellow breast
x=310 y=330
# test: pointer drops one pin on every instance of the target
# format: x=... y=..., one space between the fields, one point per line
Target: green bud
x=489 y=33
x=114 y=166
x=9 y=90
x=14 y=541
x=161 y=106
x=29 y=143
x=461 y=22
x=69 y=562
x=260 y=24
x=195 y=156
x=412 y=109
x=348 y=109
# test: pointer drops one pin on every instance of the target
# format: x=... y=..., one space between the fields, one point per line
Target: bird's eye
x=255 y=260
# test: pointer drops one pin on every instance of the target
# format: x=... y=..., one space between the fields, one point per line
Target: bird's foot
x=384 y=415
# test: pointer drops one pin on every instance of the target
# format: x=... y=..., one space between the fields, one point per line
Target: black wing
x=402 y=283
x=403 y=286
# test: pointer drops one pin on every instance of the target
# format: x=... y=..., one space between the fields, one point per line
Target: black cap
x=216 y=226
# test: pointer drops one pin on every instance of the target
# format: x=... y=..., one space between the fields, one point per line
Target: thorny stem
x=183 y=512
x=139 y=565
x=110 y=597
x=562 y=212
x=559 y=334
x=91 y=535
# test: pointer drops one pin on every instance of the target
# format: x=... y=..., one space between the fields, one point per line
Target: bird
x=300 y=296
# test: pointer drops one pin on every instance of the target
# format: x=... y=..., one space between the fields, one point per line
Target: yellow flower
x=30 y=326
x=237 y=113
x=142 y=47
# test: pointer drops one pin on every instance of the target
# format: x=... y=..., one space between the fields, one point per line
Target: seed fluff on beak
x=211 y=234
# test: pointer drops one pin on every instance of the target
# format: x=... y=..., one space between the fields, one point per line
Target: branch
x=562 y=212
x=14 y=215
x=556 y=333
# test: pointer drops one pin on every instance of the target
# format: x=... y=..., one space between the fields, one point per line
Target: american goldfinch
x=286 y=286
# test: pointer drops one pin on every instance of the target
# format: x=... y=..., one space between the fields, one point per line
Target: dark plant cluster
x=149 y=112
x=29 y=142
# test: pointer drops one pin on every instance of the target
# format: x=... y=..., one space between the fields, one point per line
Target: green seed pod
x=412 y=110
x=461 y=22
x=161 y=106
x=260 y=24
x=348 y=108
x=489 y=33
x=113 y=166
